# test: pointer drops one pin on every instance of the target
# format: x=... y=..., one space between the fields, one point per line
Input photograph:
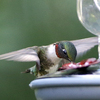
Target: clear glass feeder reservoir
x=89 y=15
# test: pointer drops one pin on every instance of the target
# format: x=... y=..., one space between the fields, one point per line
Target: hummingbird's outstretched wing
x=83 y=45
x=24 y=55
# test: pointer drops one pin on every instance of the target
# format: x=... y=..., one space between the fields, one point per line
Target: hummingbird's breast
x=48 y=60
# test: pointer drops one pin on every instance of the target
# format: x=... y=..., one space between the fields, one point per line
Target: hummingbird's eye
x=64 y=51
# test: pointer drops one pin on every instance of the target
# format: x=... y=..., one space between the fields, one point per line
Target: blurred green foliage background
x=25 y=23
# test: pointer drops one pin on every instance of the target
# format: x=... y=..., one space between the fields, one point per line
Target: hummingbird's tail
x=32 y=70
x=26 y=71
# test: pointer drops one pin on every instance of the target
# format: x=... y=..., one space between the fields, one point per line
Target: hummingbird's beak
x=69 y=60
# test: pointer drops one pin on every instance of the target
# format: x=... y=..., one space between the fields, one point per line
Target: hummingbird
x=48 y=58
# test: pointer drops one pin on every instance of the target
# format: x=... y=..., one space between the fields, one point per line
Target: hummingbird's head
x=66 y=50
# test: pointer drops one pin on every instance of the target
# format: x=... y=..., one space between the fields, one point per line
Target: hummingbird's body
x=48 y=60
x=48 y=57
